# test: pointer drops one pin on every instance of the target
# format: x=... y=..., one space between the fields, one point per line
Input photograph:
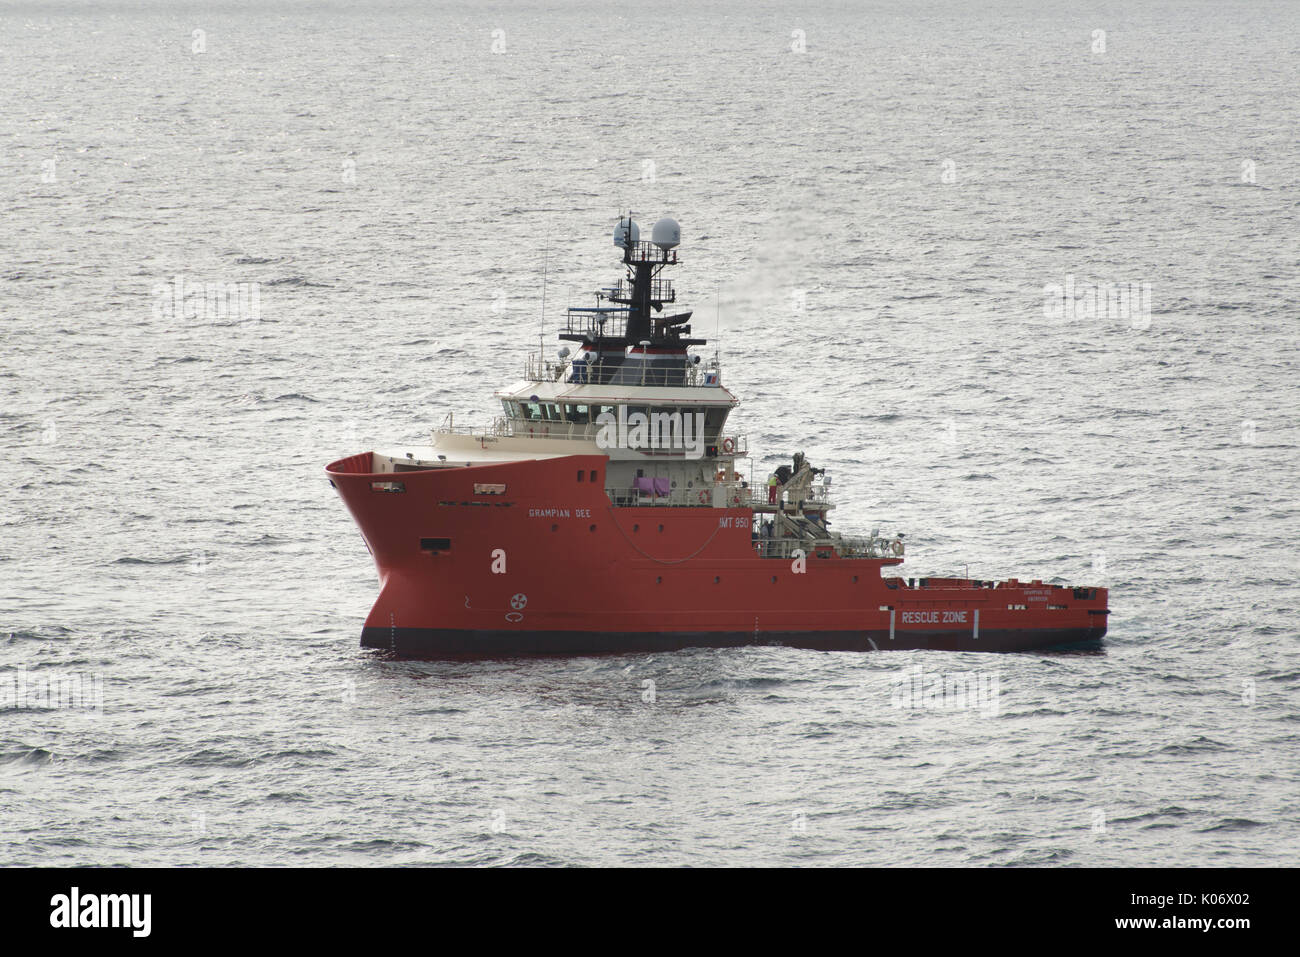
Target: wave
x=28 y=756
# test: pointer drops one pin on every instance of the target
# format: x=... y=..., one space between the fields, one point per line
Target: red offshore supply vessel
x=605 y=511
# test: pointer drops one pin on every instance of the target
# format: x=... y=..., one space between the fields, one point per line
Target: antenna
x=717 y=326
x=541 y=321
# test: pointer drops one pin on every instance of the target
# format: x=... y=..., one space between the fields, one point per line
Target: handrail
x=610 y=325
x=539 y=369
x=820 y=494
x=661 y=290
x=674 y=498
x=507 y=427
x=644 y=252
x=846 y=547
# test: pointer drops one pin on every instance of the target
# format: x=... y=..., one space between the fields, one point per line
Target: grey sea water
x=874 y=199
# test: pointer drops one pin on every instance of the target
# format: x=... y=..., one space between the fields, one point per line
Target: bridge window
x=714 y=420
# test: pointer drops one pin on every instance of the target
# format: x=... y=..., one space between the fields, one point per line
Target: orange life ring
x=728 y=445
x=897 y=547
x=704 y=496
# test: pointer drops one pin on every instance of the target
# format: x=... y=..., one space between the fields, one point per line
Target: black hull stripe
x=444 y=643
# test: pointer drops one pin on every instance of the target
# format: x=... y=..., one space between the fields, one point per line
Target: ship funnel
x=626 y=233
x=666 y=233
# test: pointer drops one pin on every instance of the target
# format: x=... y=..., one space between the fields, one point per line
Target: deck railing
x=540 y=369
x=582 y=322
x=506 y=427
x=819 y=494
x=661 y=290
x=673 y=498
x=644 y=252
x=846 y=547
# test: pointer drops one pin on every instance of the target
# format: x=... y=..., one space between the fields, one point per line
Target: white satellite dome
x=666 y=233
x=622 y=230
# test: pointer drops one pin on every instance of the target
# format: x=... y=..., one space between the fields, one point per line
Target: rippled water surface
x=869 y=224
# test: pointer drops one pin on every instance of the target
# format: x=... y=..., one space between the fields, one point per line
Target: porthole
x=773 y=579
x=661 y=528
x=636 y=528
x=555 y=528
x=659 y=579
x=593 y=528
x=717 y=579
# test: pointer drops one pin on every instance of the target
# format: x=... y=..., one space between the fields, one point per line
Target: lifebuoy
x=735 y=499
x=704 y=496
x=728 y=445
x=897 y=547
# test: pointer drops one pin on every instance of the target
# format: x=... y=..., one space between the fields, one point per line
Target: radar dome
x=622 y=230
x=667 y=233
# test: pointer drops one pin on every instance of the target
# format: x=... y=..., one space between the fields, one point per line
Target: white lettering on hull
x=935 y=617
x=559 y=513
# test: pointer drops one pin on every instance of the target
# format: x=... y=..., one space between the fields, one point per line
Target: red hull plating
x=551 y=566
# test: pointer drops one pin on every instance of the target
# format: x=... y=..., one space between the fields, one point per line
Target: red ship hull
x=543 y=563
